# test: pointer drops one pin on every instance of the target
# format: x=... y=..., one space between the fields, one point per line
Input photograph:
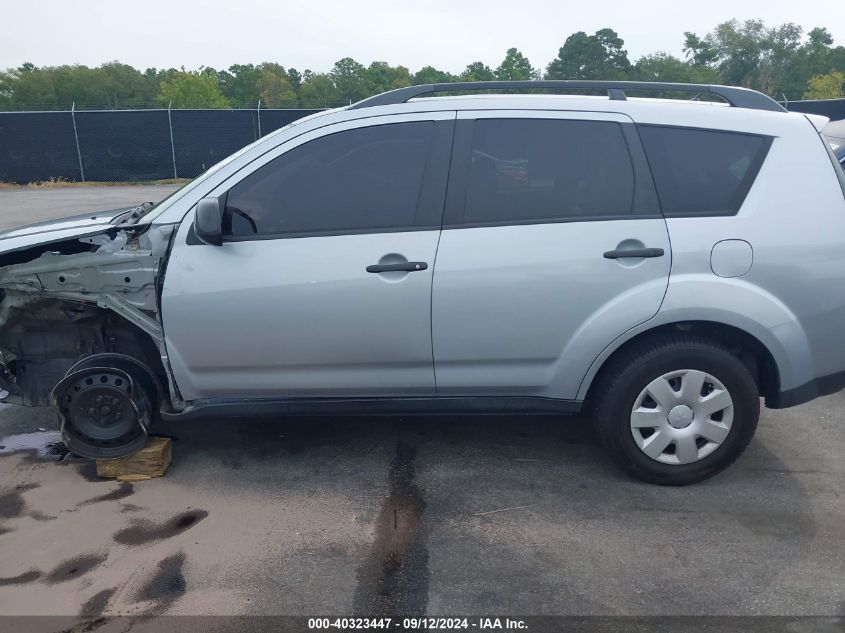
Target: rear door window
x=702 y=172
x=547 y=170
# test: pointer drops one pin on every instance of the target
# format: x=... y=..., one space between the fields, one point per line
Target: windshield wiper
x=134 y=214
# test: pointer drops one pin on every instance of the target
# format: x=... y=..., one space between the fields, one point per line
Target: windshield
x=159 y=208
x=175 y=193
x=189 y=186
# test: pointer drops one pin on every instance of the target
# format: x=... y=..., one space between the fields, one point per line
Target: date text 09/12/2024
x=423 y=624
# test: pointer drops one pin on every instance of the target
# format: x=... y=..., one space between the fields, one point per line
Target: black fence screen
x=135 y=145
x=127 y=145
x=205 y=137
x=833 y=109
x=274 y=119
x=35 y=147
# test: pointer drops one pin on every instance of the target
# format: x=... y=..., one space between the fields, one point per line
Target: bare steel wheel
x=104 y=413
x=682 y=416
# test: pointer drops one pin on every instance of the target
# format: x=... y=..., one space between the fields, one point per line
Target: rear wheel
x=676 y=410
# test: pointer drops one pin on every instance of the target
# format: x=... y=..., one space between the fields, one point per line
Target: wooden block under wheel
x=146 y=463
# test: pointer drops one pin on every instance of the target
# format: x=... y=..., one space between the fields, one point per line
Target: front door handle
x=409 y=267
x=634 y=252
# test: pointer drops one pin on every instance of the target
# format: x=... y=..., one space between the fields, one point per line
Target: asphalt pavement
x=26 y=205
x=430 y=515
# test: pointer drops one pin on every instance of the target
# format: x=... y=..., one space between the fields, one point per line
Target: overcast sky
x=447 y=34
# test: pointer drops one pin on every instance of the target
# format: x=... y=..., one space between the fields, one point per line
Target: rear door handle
x=409 y=267
x=634 y=252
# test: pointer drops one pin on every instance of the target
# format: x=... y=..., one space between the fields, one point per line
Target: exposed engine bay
x=92 y=297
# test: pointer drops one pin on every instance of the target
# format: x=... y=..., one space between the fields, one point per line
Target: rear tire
x=676 y=410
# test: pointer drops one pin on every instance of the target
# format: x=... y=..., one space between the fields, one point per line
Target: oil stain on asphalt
x=75 y=567
x=96 y=604
x=393 y=581
x=121 y=492
x=165 y=586
x=142 y=531
x=21 y=579
x=88 y=470
x=12 y=503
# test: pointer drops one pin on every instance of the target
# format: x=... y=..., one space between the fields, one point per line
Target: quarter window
x=545 y=170
x=361 y=180
x=702 y=172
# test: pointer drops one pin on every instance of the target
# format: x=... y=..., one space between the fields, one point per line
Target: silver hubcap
x=682 y=416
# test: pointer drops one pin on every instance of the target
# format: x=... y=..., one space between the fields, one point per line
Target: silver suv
x=662 y=263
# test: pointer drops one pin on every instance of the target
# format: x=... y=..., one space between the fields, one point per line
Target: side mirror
x=208 y=219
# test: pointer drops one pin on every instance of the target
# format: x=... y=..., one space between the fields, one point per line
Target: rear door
x=553 y=246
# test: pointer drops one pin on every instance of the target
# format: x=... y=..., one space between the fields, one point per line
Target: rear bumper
x=822 y=386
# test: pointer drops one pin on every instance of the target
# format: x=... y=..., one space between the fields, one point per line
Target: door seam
x=437 y=250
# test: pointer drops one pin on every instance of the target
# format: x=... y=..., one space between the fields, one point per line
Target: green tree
x=350 y=79
x=31 y=88
x=7 y=89
x=665 y=67
x=381 y=76
x=295 y=78
x=776 y=60
x=122 y=86
x=192 y=89
x=430 y=75
x=239 y=84
x=275 y=89
x=477 y=71
x=780 y=61
x=836 y=58
x=744 y=50
x=75 y=83
x=597 y=56
x=112 y=85
x=740 y=51
x=827 y=86
x=699 y=51
x=613 y=53
x=781 y=67
x=56 y=87
x=318 y=91
x=515 y=67
x=815 y=56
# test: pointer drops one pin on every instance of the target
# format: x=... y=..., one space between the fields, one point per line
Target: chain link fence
x=127 y=145
x=137 y=145
x=833 y=109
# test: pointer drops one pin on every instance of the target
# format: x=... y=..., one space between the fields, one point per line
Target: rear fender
x=734 y=302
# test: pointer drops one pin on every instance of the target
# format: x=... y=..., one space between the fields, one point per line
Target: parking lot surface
x=471 y=515
x=25 y=205
x=430 y=515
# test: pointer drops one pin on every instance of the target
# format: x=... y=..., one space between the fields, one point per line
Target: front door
x=322 y=286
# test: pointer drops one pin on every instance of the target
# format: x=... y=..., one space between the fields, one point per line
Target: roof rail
x=737 y=97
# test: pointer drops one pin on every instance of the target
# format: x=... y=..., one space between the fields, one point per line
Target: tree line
x=781 y=61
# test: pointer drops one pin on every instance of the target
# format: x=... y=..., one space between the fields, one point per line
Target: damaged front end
x=80 y=328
